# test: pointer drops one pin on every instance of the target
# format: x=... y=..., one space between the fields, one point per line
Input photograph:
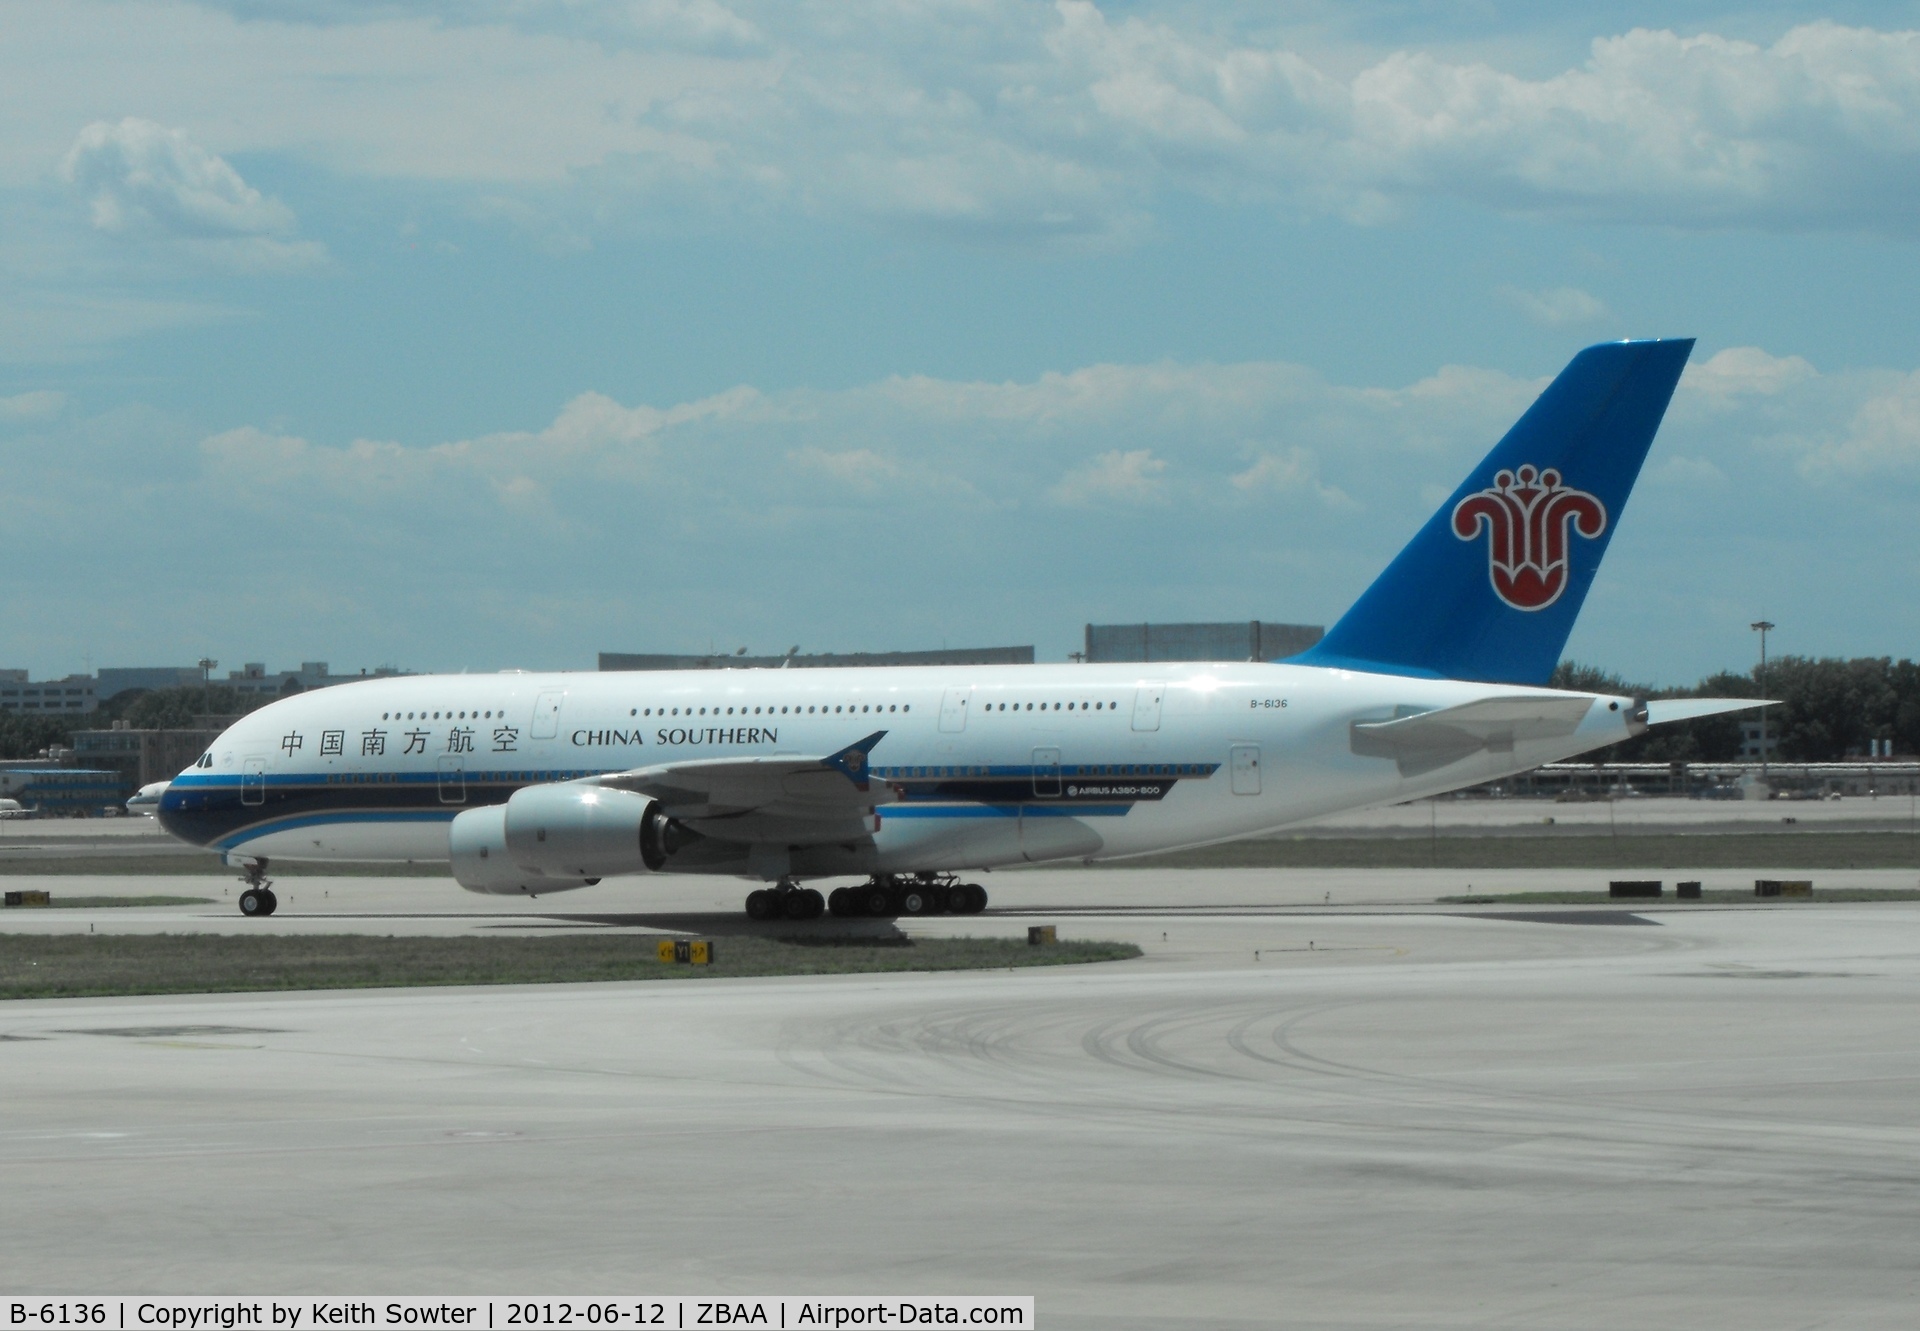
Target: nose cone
x=183 y=812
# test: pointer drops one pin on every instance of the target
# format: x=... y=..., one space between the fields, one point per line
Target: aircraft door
x=1244 y=761
x=253 y=781
x=953 y=709
x=546 y=714
x=1146 y=705
x=453 y=778
x=1046 y=773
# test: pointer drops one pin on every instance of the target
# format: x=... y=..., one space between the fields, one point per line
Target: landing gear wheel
x=875 y=901
x=763 y=904
x=805 y=904
x=841 y=902
x=258 y=898
x=960 y=899
x=979 y=898
x=917 y=901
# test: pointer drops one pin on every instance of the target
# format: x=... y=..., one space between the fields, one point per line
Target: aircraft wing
x=798 y=800
x=1426 y=741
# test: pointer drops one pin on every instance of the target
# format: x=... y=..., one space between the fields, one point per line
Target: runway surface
x=420 y=905
x=1393 y=1117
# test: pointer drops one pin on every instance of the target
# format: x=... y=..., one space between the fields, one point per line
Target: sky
x=470 y=336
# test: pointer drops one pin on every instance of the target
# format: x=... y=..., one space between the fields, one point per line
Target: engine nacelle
x=582 y=831
x=477 y=845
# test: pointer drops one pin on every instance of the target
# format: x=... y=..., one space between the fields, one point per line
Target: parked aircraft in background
x=14 y=809
x=146 y=800
x=914 y=776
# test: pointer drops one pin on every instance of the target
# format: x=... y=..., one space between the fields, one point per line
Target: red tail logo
x=1528 y=517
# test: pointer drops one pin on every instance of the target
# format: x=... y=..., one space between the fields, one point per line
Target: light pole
x=1761 y=626
x=207 y=666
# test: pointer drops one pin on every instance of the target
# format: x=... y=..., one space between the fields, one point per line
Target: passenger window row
x=449 y=715
x=1053 y=707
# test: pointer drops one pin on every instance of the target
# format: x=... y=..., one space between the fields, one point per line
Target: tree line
x=1825 y=709
x=29 y=734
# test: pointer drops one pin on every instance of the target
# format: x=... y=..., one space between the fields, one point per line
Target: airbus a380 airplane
x=530 y=783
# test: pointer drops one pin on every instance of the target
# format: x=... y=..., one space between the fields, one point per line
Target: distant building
x=946 y=656
x=116 y=680
x=75 y=693
x=1750 y=740
x=141 y=757
x=62 y=791
x=84 y=693
x=1241 y=640
x=254 y=677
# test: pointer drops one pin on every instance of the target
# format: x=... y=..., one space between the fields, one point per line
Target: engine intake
x=477 y=846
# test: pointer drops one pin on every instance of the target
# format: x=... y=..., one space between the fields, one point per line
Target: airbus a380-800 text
x=910 y=778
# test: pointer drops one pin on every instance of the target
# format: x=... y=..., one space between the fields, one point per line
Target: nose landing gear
x=257 y=899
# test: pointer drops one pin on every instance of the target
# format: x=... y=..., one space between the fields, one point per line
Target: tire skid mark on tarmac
x=1012 y=1055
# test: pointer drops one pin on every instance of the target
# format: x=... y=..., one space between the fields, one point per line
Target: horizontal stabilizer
x=1660 y=711
x=1427 y=741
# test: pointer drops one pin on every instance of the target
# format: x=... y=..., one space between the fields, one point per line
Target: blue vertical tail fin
x=1489 y=588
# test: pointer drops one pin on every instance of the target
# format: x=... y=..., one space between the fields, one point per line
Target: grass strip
x=56 y=901
x=91 y=965
x=1721 y=894
x=1731 y=850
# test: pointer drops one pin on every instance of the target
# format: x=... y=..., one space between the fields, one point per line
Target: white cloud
x=1100 y=434
x=967 y=510
x=40 y=405
x=1294 y=471
x=859 y=470
x=1743 y=371
x=139 y=174
x=1822 y=127
x=1556 y=306
x=993 y=118
x=1685 y=473
x=38 y=326
x=1131 y=477
x=1882 y=441
x=143 y=179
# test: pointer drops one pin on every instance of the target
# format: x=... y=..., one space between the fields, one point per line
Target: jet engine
x=477 y=846
x=551 y=838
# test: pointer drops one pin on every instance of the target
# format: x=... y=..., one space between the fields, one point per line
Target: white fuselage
x=994 y=764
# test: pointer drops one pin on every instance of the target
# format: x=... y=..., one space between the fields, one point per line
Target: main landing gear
x=258 y=898
x=884 y=895
x=785 y=900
